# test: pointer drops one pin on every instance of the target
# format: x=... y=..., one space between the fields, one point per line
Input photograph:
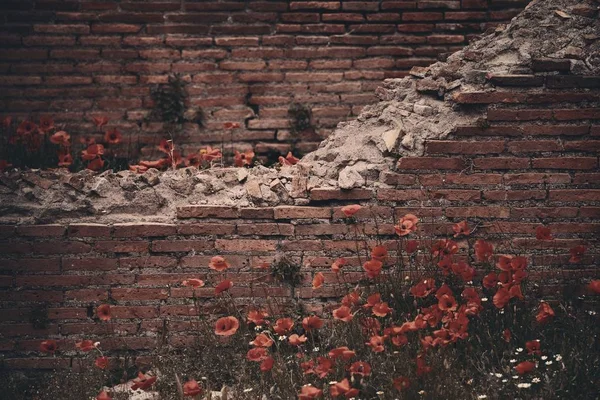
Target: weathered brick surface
x=225 y=50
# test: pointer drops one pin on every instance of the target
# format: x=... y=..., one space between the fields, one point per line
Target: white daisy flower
x=535 y=380
x=558 y=357
x=548 y=362
x=544 y=357
x=520 y=349
x=524 y=385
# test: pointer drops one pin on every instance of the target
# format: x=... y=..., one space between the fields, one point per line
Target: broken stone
x=253 y=190
x=423 y=110
x=151 y=177
x=102 y=188
x=350 y=178
x=242 y=174
x=419 y=72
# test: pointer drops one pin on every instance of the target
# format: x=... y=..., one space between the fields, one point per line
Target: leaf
x=562 y=14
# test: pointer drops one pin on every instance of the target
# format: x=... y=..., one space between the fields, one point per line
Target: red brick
x=266 y=229
x=577 y=163
x=401 y=195
x=245 y=245
x=115 y=246
x=139 y=294
x=143 y=230
x=60 y=247
x=574 y=195
x=533 y=146
x=422 y=16
x=581 y=113
x=314 y=5
x=477 y=211
x=456 y=147
x=163 y=246
x=115 y=28
x=298 y=212
x=501 y=163
x=207 y=212
x=320 y=194
x=544 y=212
x=518 y=115
x=535 y=178
x=456 y=195
x=428 y=163
x=88 y=230
x=89 y=264
x=41 y=230
x=206 y=229
x=510 y=195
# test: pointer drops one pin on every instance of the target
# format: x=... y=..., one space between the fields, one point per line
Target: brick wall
x=245 y=61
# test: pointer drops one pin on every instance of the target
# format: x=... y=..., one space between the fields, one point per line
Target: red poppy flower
x=422 y=367
x=4 y=165
x=515 y=291
x=48 y=346
x=85 y=345
x=501 y=298
x=318 y=280
x=166 y=146
x=92 y=152
x=243 y=159
x=174 y=159
x=576 y=254
x=283 y=326
x=27 y=128
x=61 y=138
x=343 y=314
x=103 y=396
x=113 y=136
x=100 y=121
x=351 y=299
x=519 y=275
x=545 y=313
x=339 y=388
x=381 y=309
x=379 y=253
x=267 y=364
x=262 y=340
x=231 y=125
x=289 y=159
x=191 y=388
x=103 y=312
x=101 y=362
x=594 y=286
x=195 y=283
x=64 y=159
x=323 y=367
x=342 y=352
x=6 y=121
x=483 y=251
x=373 y=268
x=96 y=164
x=406 y=225
x=376 y=343
x=209 y=154
x=350 y=210
x=490 y=281
x=543 y=233
x=423 y=288
x=193 y=160
x=312 y=322
x=401 y=383
x=372 y=300
x=507 y=335
x=46 y=124
x=411 y=246
x=257 y=316
x=338 y=264
x=257 y=354
x=223 y=286
x=218 y=263
x=462 y=228
x=226 y=326
x=444 y=248
x=525 y=367
x=361 y=368
x=533 y=347
x=399 y=340
x=309 y=392
x=139 y=169
x=158 y=164
x=296 y=340
x=143 y=382
x=447 y=303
